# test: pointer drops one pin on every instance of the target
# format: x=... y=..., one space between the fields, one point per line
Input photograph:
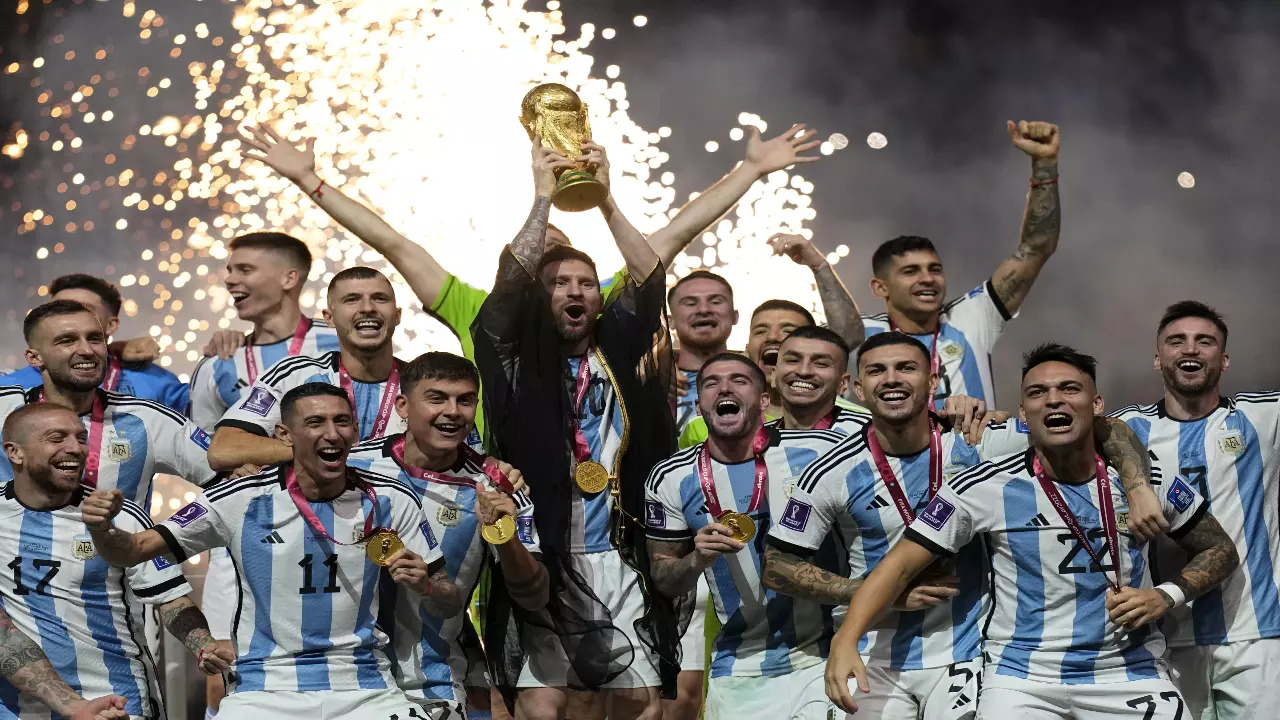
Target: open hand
x=268 y=147
x=843 y=664
x=766 y=156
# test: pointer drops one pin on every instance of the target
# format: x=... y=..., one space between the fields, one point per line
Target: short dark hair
x=700 y=275
x=109 y=293
x=1193 y=309
x=357 y=272
x=817 y=332
x=306 y=390
x=883 y=257
x=556 y=253
x=777 y=304
x=21 y=418
x=892 y=337
x=756 y=372
x=295 y=250
x=1057 y=352
x=53 y=308
x=436 y=365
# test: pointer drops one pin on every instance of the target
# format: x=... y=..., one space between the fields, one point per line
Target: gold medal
x=382 y=546
x=500 y=531
x=743 y=527
x=591 y=477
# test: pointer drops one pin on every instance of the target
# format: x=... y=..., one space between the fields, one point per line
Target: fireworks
x=414 y=106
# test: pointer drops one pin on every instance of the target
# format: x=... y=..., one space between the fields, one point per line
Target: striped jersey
x=86 y=615
x=428 y=658
x=139 y=439
x=847 y=418
x=147 y=381
x=687 y=404
x=600 y=418
x=762 y=632
x=843 y=491
x=306 y=608
x=218 y=384
x=1231 y=458
x=971 y=325
x=258 y=411
x=1047 y=618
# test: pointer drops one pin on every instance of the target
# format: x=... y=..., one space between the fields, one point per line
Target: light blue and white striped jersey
x=971 y=325
x=86 y=615
x=843 y=491
x=219 y=384
x=601 y=421
x=849 y=419
x=258 y=411
x=762 y=632
x=306 y=607
x=687 y=404
x=139 y=439
x=425 y=649
x=1232 y=458
x=1047 y=617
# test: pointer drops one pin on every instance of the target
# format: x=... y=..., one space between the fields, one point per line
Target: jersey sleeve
x=457 y=306
x=1005 y=438
x=199 y=526
x=526 y=531
x=182 y=449
x=258 y=411
x=207 y=406
x=663 y=510
x=950 y=520
x=980 y=316
x=1182 y=505
x=1263 y=411
x=156 y=581
x=806 y=518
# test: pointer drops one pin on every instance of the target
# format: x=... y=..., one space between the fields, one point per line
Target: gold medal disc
x=499 y=532
x=591 y=477
x=743 y=527
x=382 y=546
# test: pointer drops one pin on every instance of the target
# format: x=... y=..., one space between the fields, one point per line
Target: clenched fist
x=1037 y=139
x=100 y=508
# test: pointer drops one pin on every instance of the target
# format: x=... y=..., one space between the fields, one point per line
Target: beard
x=42 y=474
x=64 y=378
x=572 y=333
x=1206 y=382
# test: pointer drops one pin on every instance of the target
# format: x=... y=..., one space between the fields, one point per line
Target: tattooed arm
x=1211 y=556
x=185 y=622
x=790 y=575
x=842 y=312
x=444 y=598
x=25 y=666
x=1121 y=447
x=674 y=566
x=529 y=244
x=1042 y=219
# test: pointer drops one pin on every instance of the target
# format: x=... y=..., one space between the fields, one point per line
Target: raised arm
x=639 y=257
x=530 y=243
x=842 y=312
x=26 y=667
x=1042 y=219
x=419 y=269
x=763 y=157
x=119 y=548
x=233 y=447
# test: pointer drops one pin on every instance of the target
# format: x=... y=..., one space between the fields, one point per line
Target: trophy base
x=578 y=190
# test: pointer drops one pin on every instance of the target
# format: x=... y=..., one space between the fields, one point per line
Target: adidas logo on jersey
x=878 y=503
x=1038 y=521
x=273 y=539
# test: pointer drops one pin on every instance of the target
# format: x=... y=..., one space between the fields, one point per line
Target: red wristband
x=317 y=192
x=1051 y=181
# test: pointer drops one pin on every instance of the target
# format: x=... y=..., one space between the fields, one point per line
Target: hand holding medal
x=496 y=510
x=408 y=568
x=714 y=540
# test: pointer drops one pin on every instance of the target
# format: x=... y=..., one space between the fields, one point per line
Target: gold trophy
x=557 y=114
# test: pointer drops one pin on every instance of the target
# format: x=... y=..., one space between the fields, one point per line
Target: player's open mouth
x=575 y=311
x=330 y=456
x=1057 y=421
x=1190 y=365
x=894 y=396
x=927 y=294
x=727 y=406
x=447 y=429
x=237 y=296
x=802 y=386
x=705 y=324
x=368 y=327
x=68 y=466
x=769 y=355
x=85 y=365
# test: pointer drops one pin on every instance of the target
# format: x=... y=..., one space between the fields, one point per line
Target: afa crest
x=82 y=547
x=449 y=516
x=1231 y=443
x=951 y=350
x=119 y=450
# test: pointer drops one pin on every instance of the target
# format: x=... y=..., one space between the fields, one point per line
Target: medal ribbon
x=489 y=468
x=890 y=480
x=707 y=479
x=581 y=449
x=387 y=403
x=112 y=380
x=1106 y=512
x=97 y=417
x=295 y=347
x=934 y=365
x=304 y=508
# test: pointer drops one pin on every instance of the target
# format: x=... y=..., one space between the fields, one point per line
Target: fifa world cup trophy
x=557 y=114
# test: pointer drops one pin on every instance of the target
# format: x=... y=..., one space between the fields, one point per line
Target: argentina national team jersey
x=219 y=384
x=600 y=419
x=843 y=491
x=1230 y=457
x=306 y=607
x=86 y=615
x=425 y=649
x=139 y=439
x=687 y=404
x=1048 y=618
x=847 y=418
x=146 y=382
x=762 y=631
x=971 y=325
x=258 y=411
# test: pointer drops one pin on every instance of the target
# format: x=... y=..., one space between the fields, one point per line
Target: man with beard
x=1225 y=645
x=309 y=539
x=129 y=367
x=577 y=400
x=907 y=273
x=924 y=657
x=707 y=510
x=130 y=440
x=86 y=613
x=465 y=497
x=1070 y=633
x=362 y=308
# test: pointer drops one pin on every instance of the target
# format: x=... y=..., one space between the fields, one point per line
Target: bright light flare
x=1186 y=180
x=876 y=141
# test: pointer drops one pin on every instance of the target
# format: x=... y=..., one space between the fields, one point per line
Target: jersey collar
x=76 y=497
x=1223 y=402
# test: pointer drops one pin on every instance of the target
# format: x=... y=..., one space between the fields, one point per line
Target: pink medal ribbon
x=489 y=468
x=1107 y=515
x=112 y=379
x=96 y=419
x=295 y=347
x=890 y=480
x=387 y=403
x=707 y=479
x=304 y=508
x=581 y=448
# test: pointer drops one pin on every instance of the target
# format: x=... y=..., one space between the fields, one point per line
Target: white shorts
x=618 y=587
x=1005 y=697
x=220 y=595
x=1243 y=678
x=693 y=645
x=798 y=695
x=942 y=693
x=323 y=705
